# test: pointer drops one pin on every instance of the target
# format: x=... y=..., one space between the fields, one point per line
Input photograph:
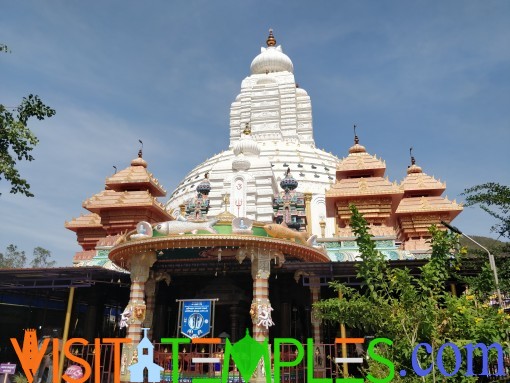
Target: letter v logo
x=30 y=356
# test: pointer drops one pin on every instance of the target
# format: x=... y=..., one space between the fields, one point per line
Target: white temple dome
x=271 y=59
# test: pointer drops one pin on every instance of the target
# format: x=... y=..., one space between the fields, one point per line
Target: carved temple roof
x=348 y=187
x=416 y=181
x=428 y=204
x=136 y=177
x=108 y=199
x=359 y=160
x=90 y=220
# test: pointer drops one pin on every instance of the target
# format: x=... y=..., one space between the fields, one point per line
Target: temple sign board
x=196 y=317
x=7 y=369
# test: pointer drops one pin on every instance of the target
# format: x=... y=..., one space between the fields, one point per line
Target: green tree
x=409 y=310
x=495 y=200
x=16 y=139
x=42 y=258
x=13 y=258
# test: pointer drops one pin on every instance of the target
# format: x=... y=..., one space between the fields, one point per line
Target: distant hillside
x=493 y=245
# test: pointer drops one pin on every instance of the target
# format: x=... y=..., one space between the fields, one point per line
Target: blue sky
x=434 y=75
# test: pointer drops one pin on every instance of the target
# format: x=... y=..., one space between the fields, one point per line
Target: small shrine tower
x=421 y=207
x=129 y=197
x=289 y=205
x=399 y=215
x=197 y=208
x=360 y=181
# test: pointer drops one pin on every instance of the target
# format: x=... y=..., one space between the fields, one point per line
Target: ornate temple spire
x=271 y=59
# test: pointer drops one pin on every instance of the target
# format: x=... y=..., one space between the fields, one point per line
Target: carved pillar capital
x=150 y=296
x=140 y=266
x=150 y=287
x=261 y=266
x=315 y=287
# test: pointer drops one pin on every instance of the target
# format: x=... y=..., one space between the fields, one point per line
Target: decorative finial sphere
x=247 y=129
x=204 y=187
x=289 y=182
x=271 y=41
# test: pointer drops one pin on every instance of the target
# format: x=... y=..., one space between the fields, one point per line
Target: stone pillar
x=319 y=362
x=260 y=269
x=285 y=319
x=322 y=224
x=308 y=212
x=140 y=269
x=234 y=323
x=159 y=322
x=315 y=291
x=91 y=319
x=150 y=296
x=260 y=310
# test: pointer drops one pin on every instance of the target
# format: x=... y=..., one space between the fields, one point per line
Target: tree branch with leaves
x=493 y=198
x=17 y=140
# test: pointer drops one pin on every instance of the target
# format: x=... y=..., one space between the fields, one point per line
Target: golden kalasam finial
x=247 y=129
x=271 y=41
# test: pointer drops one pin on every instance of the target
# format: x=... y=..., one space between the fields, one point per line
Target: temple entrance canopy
x=152 y=252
